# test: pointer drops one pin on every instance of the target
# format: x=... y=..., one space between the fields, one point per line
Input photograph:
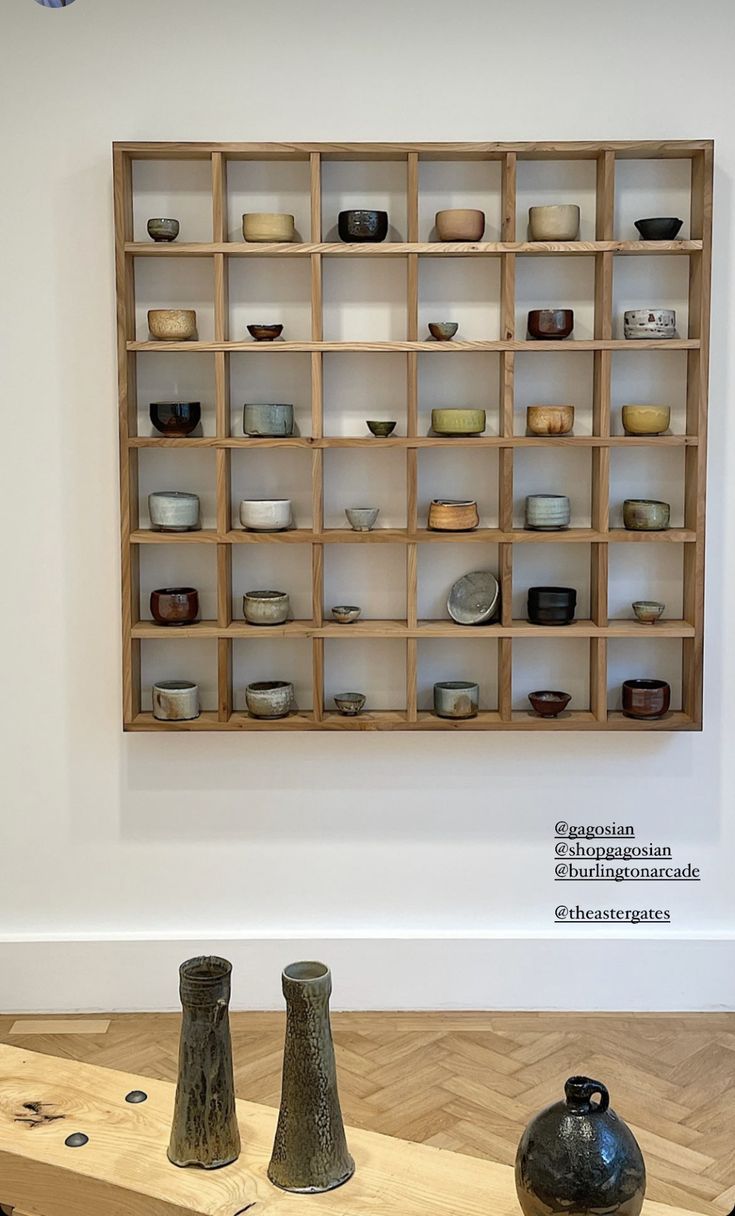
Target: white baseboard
x=520 y=971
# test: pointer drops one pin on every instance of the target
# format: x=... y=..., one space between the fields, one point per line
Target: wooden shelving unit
x=599 y=628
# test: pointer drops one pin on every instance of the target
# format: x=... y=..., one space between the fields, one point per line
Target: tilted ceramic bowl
x=266 y=514
x=172 y=324
x=269 y=698
x=558 y=222
x=550 y=419
x=474 y=599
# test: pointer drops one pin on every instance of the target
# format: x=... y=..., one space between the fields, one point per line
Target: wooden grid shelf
x=599 y=629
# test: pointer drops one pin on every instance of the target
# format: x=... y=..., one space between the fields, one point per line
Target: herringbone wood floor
x=470 y=1081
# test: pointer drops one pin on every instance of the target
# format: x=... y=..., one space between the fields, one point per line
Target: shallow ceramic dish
x=345 y=614
x=163 y=229
x=443 y=331
x=453 y=515
x=175 y=700
x=381 y=430
x=266 y=514
x=646 y=698
x=265 y=333
x=362 y=225
x=550 y=419
x=550 y=323
x=266 y=607
x=362 y=519
x=269 y=698
x=460 y=224
x=172 y=324
x=474 y=598
x=456 y=699
x=548 y=703
x=646 y=419
x=457 y=422
x=547 y=512
x=175 y=418
x=350 y=704
x=558 y=222
x=646 y=515
x=551 y=605
x=175 y=605
x=659 y=228
x=648 y=611
x=268 y=226
x=173 y=511
x=267 y=420
x=649 y=323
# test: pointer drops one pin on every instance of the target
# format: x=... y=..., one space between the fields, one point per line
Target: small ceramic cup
x=443 y=331
x=549 y=703
x=550 y=419
x=163 y=230
x=456 y=699
x=649 y=323
x=646 y=515
x=267 y=420
x=266 y=607
x=265 y=333
x=547 y=512
x=173 y=511
x=381 y=430
x=175 y=700
x=646 y=419
x=559 y=222
x=362 y=519
x=266 y=514
x=172 y=324
x=350 y=704
x=175 y=605
x=346 y=614
x=269 y=698
x=646 y=698
x=648 y=611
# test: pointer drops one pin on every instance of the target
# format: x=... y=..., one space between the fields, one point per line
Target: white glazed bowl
x=175 y=700
x=266 y=514
x=649 y=323
x=173 y=511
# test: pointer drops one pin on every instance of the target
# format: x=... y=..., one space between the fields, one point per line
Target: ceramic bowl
x=648 y=611
x=457 y=421
x=559 y=222
x=268 y=226
x=175 y=605
x=362 y=225
x=551 y=605
x=267 y=419
x=350 y=704
x=547 y=512
x=172 y=324
x=460 y=224
x=453 y=515
x=474 y=599
x=456 y=699
x=646 y=419
x=265 y=333
x=649 y=323
x=163 y=230
x=659 y=228
x=362 y=519
x=646 y=515
x=380 y=429
x=550 y=419
x=266 y=607
x=646 y=698
x=550 y=323
x=173 y=511
x=175 y=700
x=548 y=703
x=175 y=418
x=266 y=514
x=346 y=614
x=269 y=698
x=443 y=331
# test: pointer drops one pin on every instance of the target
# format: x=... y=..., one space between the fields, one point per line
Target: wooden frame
x=598 y=628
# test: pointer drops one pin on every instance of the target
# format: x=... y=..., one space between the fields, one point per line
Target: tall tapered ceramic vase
x=310 y=1150
x=204 y=1130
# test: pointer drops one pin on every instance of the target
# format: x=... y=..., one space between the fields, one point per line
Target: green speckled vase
x=310 y=1150
x=204 y=1130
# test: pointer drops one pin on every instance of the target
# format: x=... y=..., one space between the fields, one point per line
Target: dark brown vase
x=577 y=1157
x=310 y=1150
x=204 y=1130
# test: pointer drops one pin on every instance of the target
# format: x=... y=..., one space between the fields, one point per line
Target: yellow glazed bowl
x=550 y=419
x=458 y=422
x=172 y=324
x=646 y=419
x=267 y=226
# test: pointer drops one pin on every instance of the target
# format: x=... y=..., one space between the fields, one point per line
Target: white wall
x=421 y=866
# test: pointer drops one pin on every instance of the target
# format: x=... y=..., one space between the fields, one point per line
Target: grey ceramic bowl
x=173 y=511
x=266 y=607
x=350 y=704
x=646 y=515
x=345 y=614
x=547 y=512
x=456 y=699
x=362 y=519
x=474 y=598
x=267 y=420
x=163 y=230
x=443 y=331
x=175 y=700
x=269 y=698
x=648 y=611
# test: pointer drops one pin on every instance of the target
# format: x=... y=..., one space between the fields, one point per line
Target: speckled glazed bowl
x=269 y=698
x=175 y=700
x=163 y=230
x=550 y=419
x=265 y=607
x=172 y=324
x=646 y=515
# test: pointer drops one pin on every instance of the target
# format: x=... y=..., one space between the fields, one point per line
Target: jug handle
x=581 y=1089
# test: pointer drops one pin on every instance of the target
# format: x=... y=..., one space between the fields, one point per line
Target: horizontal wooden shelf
x=399 y=720
x=420 y=441
x=623 y=149
x=392 y=536
x=623 y=628
x=427 y=346
x=459 y=249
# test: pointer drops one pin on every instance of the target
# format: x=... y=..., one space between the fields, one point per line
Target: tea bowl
x=172 y=324
x=551 y=605
x=460 y=224
x=646 y=419
x=457 y=421
x=550 y=323
x=443 y=331
x=175 y=605
x=350 y=704
x=175 y=418
x=453 y=515
x=549 y=419
x=362 y=225
x=268 y=226
x=267 y=420
x=558 y=222
x=649 y=323
x=175 y=700
x=266 y=514
x=474 y=598
x=163 y=230
x=265 y=333
x=266 y=607
x=456 y=699
x=173 y=511
x=381 y=430
x=269 y=698
x=362 y=519
x=548 y=703
x=646 y=515
x=646 y=698
x=547 y=512
x=659 y=228
x=648 y=611
x=346 y=614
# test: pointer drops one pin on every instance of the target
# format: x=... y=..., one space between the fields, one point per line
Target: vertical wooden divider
x=506 y=424
x=317 y=432
x=222 y=429
x=412 y=456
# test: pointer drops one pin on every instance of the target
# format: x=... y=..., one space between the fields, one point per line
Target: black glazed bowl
x=362 y=225
x=555 y=323
x=659 y=228
x=551 y=605
x=175 y=418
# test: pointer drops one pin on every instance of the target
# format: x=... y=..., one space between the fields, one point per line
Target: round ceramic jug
x=579 y=1157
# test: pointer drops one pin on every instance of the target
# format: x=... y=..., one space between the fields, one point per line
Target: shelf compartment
x=395 y=720
x=387 y=536
x=457 y=249
x=623 y=628
x=424 y=347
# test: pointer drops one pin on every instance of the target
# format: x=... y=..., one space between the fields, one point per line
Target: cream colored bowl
x=550 y=419
x=559 y=222
x=646 y=419
x=172 y=324
x=268 y=226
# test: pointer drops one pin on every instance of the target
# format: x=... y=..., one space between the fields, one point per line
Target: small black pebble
x=136 y=1095
x=76 y=1140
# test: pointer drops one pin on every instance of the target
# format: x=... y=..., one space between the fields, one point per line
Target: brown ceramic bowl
x=546 y=323
x=175 y=605
x=549 y=704
x=550 y=419
x=265 y=333
x=453 y=515
x=646 y=698
x=460 y=224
